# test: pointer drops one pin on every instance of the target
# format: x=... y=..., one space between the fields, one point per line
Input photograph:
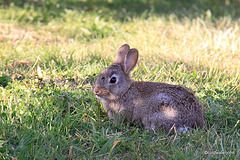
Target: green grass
x=52 y=51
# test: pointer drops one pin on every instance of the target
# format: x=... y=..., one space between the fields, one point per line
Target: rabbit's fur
x=151 y=104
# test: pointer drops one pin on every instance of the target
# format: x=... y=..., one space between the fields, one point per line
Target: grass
x=52 y=51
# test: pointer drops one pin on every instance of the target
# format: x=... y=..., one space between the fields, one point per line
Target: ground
x=52 y=51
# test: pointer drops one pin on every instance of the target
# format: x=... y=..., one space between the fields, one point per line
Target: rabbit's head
x=115 y=80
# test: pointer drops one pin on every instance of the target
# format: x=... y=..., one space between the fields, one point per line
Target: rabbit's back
x=159 y=104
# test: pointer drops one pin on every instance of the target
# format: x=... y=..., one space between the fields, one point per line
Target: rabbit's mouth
x=100 y=98
x=103 y=94
x=100 y=92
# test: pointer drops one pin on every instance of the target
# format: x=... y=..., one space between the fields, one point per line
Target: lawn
x=52 y=51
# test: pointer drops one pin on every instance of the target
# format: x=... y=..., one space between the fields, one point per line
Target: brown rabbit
x=151 y=104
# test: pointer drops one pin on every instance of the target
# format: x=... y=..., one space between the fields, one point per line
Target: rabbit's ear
x=130 y=60
x=122 y=51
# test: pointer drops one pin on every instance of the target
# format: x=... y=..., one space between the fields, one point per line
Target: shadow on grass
x=123 y=10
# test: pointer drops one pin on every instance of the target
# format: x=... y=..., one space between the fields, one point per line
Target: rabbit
x=152 y=105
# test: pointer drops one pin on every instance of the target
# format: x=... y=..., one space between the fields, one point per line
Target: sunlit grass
x=50 y=59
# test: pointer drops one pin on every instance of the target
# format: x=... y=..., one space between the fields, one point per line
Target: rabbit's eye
x=113 y=80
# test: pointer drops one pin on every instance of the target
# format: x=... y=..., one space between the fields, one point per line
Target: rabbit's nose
x=96 y=90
